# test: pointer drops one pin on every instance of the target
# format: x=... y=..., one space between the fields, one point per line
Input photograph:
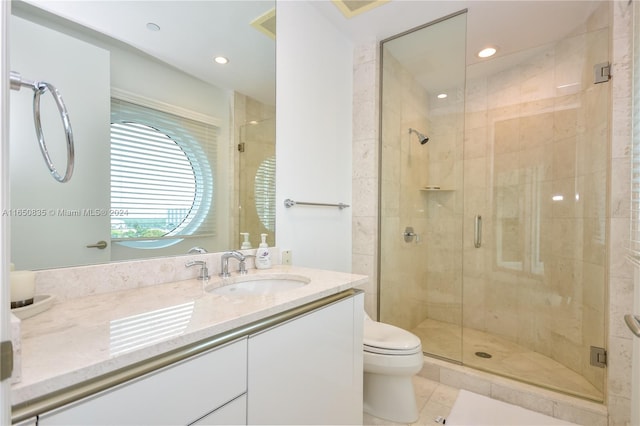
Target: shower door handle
x=477 y=234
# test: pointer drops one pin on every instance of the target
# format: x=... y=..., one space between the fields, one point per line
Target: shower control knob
x=408 y=234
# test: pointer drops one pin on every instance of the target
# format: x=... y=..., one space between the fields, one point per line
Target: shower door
x=536 y=158
x=493 y=233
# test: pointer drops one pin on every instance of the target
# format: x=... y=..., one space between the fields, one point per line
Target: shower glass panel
x=493 y=232
x=535 y=160
x=421 y=217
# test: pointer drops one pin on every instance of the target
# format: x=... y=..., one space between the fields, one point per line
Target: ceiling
x=193 y=32
x=518 y=28
x=512 y=25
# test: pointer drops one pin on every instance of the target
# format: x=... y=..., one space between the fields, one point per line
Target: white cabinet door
x=176 y=395
x=232 y=413
x=309 y=370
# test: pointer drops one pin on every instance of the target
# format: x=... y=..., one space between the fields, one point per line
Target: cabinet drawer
x=178 y=394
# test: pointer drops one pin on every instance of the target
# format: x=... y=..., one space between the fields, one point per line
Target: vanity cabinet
x=187 y=392
x=309 y=370
x=303 y=366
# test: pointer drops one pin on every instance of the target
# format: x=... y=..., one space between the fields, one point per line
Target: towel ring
x=40 y=88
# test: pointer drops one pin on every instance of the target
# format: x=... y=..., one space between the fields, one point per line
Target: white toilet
x=391 y=357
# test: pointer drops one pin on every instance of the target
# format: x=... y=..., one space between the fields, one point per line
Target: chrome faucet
x=204 y=271
x=224 y=262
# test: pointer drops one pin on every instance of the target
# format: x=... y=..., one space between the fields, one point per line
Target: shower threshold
x=443 y=341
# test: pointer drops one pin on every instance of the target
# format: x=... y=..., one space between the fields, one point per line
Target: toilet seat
x=387 y=339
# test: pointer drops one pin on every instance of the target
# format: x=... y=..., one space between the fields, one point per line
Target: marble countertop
x=82 y=338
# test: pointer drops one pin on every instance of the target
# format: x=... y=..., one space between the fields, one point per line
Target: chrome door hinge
x=598 y=357
x=602 y=72
x=6 y=360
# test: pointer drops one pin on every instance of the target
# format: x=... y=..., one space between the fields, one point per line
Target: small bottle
x=263 y=256
x=246 y=244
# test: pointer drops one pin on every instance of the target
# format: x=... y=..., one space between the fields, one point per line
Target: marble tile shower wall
x=536 y=168
x=421 y=279
x=444 y=210
x=366 y=108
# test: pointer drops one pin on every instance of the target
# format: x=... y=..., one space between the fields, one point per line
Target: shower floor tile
x=507 y=358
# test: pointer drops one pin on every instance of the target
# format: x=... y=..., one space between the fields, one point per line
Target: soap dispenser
x=263 y=256
x=246 y=244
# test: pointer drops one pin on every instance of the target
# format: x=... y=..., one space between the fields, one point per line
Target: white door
x=5 y=389
x=52 y=223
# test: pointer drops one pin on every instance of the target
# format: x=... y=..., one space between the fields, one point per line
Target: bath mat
x=471 y=409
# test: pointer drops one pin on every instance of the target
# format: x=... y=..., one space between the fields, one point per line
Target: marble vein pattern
x=84 y=337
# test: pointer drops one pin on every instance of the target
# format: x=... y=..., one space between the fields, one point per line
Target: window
x=162 y=187
x=265 y=193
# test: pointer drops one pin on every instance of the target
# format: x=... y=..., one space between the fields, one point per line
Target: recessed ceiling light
x=153 y=27
x=221 y=60
x=487 y=52
x=442 y=95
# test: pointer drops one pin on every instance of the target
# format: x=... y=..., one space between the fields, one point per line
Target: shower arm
x=422 y=138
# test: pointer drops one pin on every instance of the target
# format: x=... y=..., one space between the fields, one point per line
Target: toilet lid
x=385 y=338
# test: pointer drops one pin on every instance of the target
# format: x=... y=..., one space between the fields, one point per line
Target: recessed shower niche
x=506 y=198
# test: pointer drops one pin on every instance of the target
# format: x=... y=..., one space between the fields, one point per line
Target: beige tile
x=465 y=381
x=508 y=359
x=432 y=411
x=578 y=415
x=522 y=398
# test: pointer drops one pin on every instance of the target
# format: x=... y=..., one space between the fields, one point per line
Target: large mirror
x=172 y=150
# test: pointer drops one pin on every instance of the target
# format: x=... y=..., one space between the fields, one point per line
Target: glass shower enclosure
x=493 y=231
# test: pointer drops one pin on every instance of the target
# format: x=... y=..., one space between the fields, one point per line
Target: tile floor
x=434 y=399
x=438 y=384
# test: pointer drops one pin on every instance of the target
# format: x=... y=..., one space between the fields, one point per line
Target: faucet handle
x=243 y=264
x=204 y=270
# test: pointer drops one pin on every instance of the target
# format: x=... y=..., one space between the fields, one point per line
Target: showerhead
x=421 y=137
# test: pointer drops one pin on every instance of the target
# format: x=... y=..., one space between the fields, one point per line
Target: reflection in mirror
x=256 y=176
x=95 y=53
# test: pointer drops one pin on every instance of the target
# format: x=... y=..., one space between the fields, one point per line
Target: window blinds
x=265 y=193
x=162 y=169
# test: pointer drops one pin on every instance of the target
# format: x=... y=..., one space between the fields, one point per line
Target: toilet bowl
x=392 y=356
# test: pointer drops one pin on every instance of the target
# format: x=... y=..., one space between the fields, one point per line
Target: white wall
x=5 y=389
x=314 y=103
x=41 y=236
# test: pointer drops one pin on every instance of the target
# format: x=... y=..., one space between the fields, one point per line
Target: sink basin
x=260 y=285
